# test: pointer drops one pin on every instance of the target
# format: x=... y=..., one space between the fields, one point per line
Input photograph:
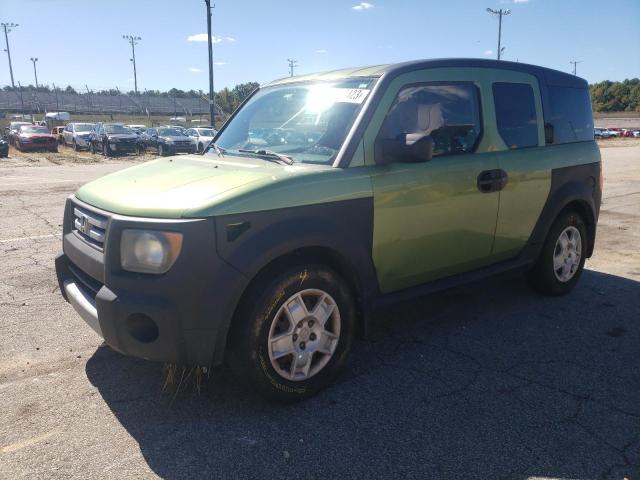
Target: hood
x=37 y=135
x=122 y=135
x=174 y=187
x=174 y=137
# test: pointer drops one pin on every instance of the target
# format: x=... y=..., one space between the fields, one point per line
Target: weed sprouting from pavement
x=178 y=379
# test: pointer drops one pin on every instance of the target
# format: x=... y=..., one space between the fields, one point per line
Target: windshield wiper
x=219 y=150
x=270 y=154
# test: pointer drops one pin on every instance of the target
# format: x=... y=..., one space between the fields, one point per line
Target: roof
x=551 y=77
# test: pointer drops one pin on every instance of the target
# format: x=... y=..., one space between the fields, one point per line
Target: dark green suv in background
x=327 y=195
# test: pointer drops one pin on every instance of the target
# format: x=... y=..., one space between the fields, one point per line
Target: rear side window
x=570 y=114
x=448 y=112
x=516 y=114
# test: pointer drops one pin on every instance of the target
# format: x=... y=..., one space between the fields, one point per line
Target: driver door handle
x=492 y=180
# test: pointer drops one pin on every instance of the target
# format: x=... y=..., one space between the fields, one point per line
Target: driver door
x=432 y=219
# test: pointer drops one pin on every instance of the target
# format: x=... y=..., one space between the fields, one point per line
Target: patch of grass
x=177 y=379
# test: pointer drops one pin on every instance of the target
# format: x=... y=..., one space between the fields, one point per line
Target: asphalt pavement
x=486 y=381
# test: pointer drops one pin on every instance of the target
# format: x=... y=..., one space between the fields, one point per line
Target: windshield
x=34 y=129
x=15 y=125
x=169 y=132
x=83 y=127
x=307 y=122
x=205 y=132
x=116 y=129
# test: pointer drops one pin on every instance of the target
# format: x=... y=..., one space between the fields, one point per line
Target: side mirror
x=411 y=147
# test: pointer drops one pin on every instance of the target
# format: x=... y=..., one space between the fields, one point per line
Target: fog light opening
x=142 y=328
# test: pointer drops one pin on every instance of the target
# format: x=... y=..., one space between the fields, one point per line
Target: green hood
x=168 y=187
x=195 y=186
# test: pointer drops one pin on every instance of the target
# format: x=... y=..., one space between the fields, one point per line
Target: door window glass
x=449 y=113
x=516 y=114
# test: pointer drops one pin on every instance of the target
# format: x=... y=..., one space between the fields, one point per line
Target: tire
x=567 y=240
x=140 y=149
x=75 y=146
x=161 y=150
x=92 y=149
x=105 y=149
x=200 y=148
x=263 y=316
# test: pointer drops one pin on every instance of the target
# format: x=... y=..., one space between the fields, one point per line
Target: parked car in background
x=35 y=137
x=614 y=132
x=625 y=132
x=4 y=147
x=202 y=136
x=601 y=133
x=113 y=139
x=139 y=129
x=76 y=135
x=168 y=141
x=57 y=131
x=178 y=127
x=12 y=130
x=636 y=133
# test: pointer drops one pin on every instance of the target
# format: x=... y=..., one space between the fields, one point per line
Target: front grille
x=183 y=143
x=41 y=140
x=90 y=285
x=90 y=226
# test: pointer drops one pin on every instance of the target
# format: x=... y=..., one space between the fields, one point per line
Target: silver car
x=76 y=135
x=202 y=135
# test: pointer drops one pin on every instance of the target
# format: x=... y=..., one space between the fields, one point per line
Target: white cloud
x=321 y=50
x=219 y=63
x=362 y=6
x=130 y=79
x=194 y=69
x=488 y=52
x=520 y=1
x=202 y=37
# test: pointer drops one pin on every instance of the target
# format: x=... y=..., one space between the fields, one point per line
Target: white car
x=76 y=135
x=202 y=135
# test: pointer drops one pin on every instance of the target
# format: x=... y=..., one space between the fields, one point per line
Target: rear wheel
x=563 y=255
x=293 y=332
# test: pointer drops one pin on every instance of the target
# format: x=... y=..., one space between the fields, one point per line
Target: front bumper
x=172 y=148
x=179 y=317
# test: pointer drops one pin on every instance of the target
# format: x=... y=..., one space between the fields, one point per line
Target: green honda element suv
x=325 y=196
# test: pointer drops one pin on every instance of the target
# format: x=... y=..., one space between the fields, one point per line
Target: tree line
x=622 y=96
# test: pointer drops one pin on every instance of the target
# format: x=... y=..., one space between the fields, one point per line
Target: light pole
x=501 y=12
x=35 y=71
x=292 y=65
x=133 y=40
x=7 y=28
x=575 y=65
x=212 y=101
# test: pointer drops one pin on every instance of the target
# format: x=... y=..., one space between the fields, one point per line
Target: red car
x=35 y=137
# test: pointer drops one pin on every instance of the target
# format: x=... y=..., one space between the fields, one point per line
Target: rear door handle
x=492 y=180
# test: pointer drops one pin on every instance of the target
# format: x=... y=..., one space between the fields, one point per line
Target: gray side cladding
x=577 y=183
x=250 y=241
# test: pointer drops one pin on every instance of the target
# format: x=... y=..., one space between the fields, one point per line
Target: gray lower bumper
x=83 y=304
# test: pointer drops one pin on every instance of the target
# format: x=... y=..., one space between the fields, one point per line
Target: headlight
x=168 y=140
x=149 y=251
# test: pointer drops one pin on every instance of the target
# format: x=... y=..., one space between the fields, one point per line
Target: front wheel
x=562 y=257
x=200 y=148
x=105 y=149
x=75 y=146
x=293 y=332
x=162 y=150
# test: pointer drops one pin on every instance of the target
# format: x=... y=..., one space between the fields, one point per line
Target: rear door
x=521 y=153
x=433 y=219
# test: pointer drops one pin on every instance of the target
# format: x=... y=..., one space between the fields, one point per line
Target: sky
x=79 y=42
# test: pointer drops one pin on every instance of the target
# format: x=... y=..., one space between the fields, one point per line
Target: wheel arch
x=572 y=188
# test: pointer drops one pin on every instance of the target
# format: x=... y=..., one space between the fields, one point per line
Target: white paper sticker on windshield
x=350 y=95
